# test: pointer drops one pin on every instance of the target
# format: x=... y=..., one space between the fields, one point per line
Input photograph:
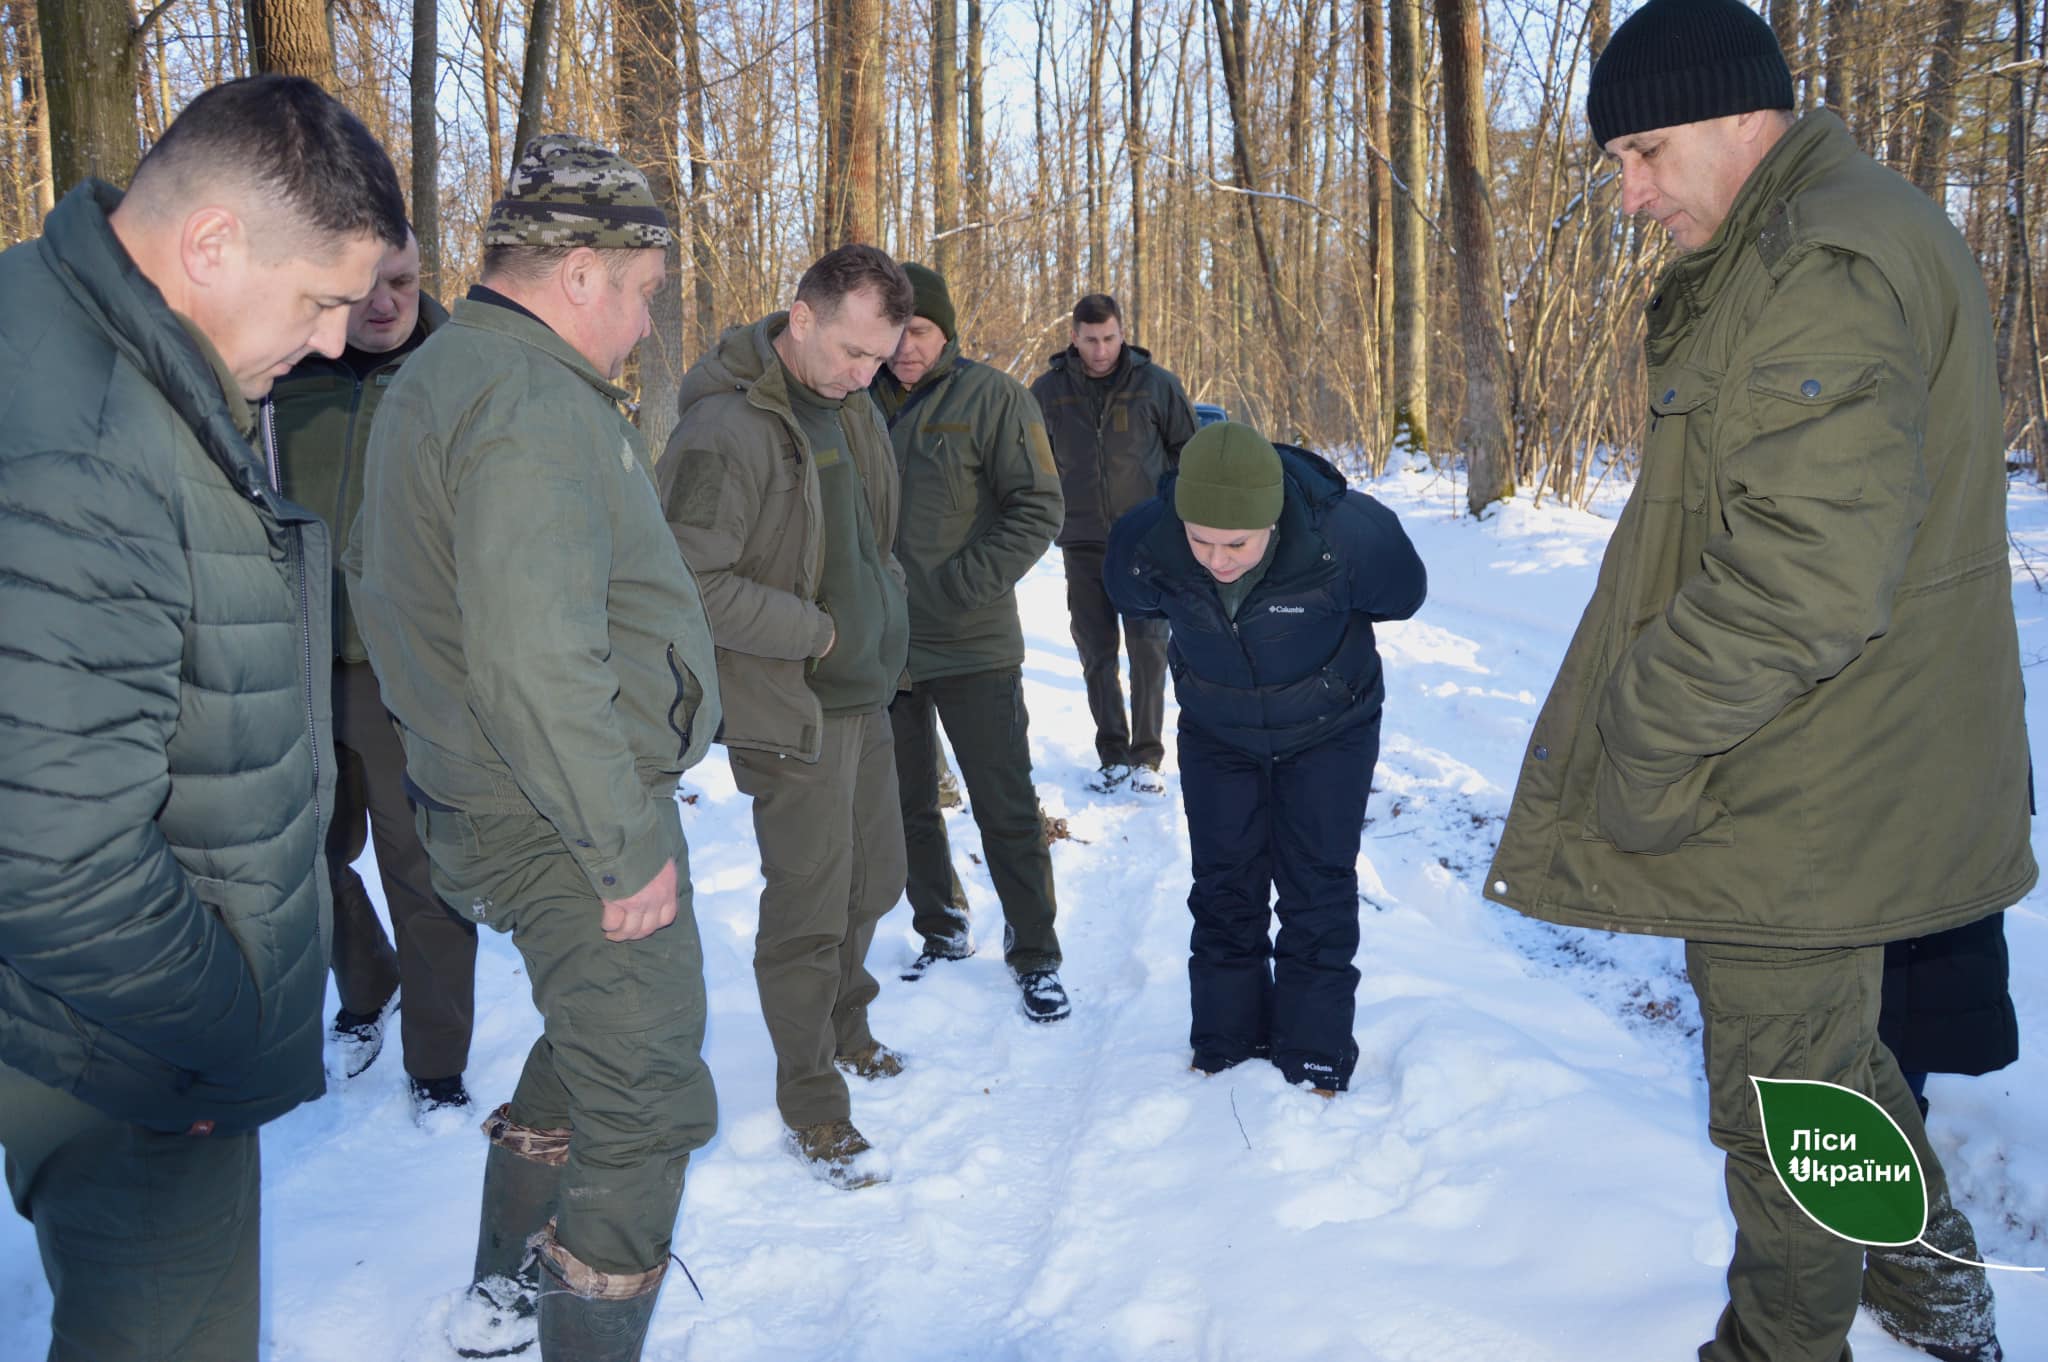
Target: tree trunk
x=1600 y=27
x=533 y=82
x=945 y=253
x=89 y=74
x=426 y=145
x=977 y=153
x=701 y=258
x=1134 y=140
x=35 y=99
x=854 y=42
x=1409 y=137
x=1930 y=151
x=293 y=37
x=1380 y=186
x=650 y=102
x=488 y=15
x=1485 y=429
x=1097 y=184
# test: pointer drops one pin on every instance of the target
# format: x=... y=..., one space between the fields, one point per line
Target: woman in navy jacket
x=1272 y=575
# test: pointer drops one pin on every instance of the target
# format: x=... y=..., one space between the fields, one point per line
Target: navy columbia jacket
x=1299 y=663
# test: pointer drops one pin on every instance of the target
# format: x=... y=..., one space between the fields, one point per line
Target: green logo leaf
x=1844 y=1160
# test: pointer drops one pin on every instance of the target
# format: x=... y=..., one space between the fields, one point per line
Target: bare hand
x=645 y=913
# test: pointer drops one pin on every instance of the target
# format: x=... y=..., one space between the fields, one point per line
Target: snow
x=1520 y=1171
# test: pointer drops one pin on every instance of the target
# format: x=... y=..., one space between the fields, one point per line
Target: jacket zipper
x=305 y=600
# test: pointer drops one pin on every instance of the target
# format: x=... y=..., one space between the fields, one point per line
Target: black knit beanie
x=1684 y=61
x=934 y=299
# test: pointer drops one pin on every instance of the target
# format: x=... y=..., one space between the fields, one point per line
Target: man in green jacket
x=981 y=501
x=781 y=489
x=321 y=413
x=1117 y=422
x=165 y=780
x=545 y=653
x=1789 y=727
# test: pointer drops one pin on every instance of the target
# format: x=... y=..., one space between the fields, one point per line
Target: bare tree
x=533 y=82
x=646 y=33
x=1484 y=432
x=90 y=52
x=1409 y=150
x=945 y=137
x=293 y=37
x=426 y=145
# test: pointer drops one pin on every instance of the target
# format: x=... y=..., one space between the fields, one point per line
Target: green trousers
x=990 y=731
x=619 y=1061
x=831 y=840
x=149 y=1241
x=1793 y=1287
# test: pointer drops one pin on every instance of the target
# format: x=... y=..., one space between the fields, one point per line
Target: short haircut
x=1096 y=309
x=529 y=264
x=842 y=272
x=292 y=143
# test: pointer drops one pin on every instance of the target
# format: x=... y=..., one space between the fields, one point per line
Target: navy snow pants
x=1258 y=823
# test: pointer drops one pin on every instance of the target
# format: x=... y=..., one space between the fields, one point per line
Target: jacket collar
x=504 y=321
x=431 y=319
x=1816 y=143
x=94 y=267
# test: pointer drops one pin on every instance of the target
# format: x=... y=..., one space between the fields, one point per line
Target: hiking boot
x=873 y=1060
x=1145 y=780
x=496 y=1317
x=1109 y=776
x=356 y=1039
x=1045 y=1000
x=839 y=1154
x=430 y=1095
x=934 y=952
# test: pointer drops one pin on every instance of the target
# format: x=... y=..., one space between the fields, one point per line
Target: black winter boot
x=496 y=1316
x=592 y=1316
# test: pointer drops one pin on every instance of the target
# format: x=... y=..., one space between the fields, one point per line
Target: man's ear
x=211 y=245
x=583 y=276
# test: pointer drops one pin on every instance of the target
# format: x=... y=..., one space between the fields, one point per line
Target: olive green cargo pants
x=149 y=1241
x=985 y=717
x=1793 y=1288
x=831 y=840
x=619 y=1061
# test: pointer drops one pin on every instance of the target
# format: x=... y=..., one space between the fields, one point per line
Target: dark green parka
x=320 y=414
x=1792 y=712
x=981 y=502
x=166 y=774
x=1110 y=454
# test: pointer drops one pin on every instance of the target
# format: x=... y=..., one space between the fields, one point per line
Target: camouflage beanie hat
x=569 y=191
x=1230 y=479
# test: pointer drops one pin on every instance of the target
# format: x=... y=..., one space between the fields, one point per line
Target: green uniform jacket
x=1112 y=460
x=533 y=628
x=167 y=771
x=981 y=502
x=320 y=414
x=1792 y=713
x=741 y=494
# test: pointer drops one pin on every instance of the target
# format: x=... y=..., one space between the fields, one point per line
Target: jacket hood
x=744 y=361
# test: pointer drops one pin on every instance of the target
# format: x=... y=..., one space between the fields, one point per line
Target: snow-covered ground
x=1521 y=1172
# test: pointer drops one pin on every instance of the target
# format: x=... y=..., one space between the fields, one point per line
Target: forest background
x=1378 y=228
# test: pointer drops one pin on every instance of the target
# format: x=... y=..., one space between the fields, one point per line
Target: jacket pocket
x=1655 y=821
x=1790 y=453
x=1677 y=452
x=682 y=711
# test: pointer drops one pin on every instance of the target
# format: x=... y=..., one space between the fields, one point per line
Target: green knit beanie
x=934 y=302
x=1230 y=479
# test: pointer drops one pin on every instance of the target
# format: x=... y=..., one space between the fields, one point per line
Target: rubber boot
x=496 y=1316
x=592 y=1316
